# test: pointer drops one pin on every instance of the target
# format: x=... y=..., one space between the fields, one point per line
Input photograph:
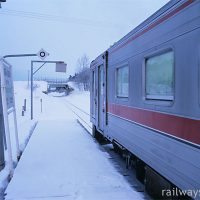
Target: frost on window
x=122 y=81
x=159 y=76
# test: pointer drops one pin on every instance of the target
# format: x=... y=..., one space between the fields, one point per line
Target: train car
x=145 y=93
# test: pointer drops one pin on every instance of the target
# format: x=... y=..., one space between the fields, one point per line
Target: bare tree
x=83 y=63
x=83 y=75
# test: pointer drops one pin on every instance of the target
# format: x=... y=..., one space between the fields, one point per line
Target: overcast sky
x=66 y=29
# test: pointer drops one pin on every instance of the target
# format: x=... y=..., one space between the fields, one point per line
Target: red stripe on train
x=184 y=128
x=156 y=23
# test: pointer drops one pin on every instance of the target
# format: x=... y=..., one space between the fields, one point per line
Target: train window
x=159 y=76
x=122 y=80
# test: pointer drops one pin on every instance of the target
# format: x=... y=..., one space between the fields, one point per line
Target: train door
x=101 y=97
x=93 y=98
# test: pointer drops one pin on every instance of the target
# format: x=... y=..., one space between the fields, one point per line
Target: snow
x=62 y=161
x=25 y=125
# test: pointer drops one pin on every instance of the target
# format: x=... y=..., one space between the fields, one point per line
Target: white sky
x=67 y=29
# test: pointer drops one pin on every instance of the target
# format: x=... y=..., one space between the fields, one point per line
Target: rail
x=81 y=115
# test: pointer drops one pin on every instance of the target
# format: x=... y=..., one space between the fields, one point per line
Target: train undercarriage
x=156 y=186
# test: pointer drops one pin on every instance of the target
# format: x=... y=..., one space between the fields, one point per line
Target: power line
x=62 y=19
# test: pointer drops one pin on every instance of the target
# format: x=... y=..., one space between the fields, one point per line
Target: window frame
x=116 y=81
x=159 y=98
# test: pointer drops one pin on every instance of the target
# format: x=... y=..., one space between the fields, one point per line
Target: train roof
x=163 y=10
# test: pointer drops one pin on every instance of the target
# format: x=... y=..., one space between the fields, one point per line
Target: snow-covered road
x=62 y=161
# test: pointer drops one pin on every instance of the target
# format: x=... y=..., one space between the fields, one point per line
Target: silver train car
x=145 y=93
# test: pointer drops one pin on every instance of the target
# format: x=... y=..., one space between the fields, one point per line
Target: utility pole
x=61 y=63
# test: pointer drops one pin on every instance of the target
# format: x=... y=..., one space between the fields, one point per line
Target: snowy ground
x=62 y=161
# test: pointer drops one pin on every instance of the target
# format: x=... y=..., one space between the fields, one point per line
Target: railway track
x=83 y=117
x=116 y=159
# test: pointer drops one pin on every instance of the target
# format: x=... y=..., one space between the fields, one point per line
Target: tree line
x=82 y=76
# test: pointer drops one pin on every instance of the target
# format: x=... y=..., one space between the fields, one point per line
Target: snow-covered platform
x=62 y=161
